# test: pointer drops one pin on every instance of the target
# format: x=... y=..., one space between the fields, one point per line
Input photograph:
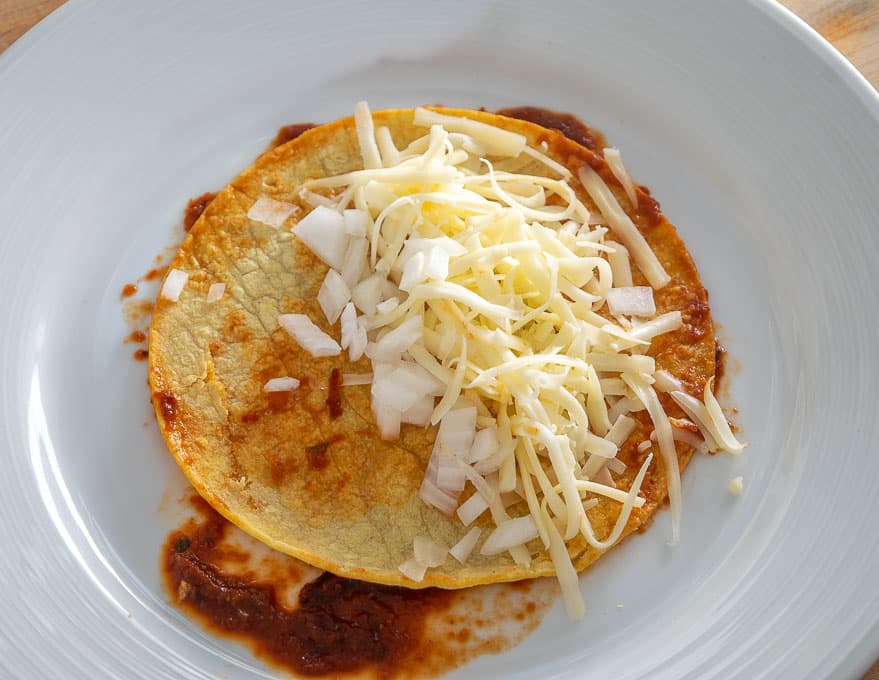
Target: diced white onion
x=311 y=338
x=413 y=570
x=174 y=283
x=631 y=300
x=333 y=296
x=462 y=549
x=472 y=508
x=429 y=552
x=323 y=231
x=271 y=212
x=284 y=384
x=215 y=292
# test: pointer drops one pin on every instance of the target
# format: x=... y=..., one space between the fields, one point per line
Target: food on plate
x=436 y=347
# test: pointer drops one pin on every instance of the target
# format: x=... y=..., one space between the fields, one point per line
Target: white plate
x=761 y=143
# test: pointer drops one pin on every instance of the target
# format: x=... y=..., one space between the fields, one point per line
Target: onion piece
x=398 y=340
x=431 y=494
x=311 y=338
x=419 y=413
x=485 y=444
x=413 y=570
x=631 y=300
x=215 y=292
x=472 y=508
x=450 y=476
x=429 y=552
x=355 y=221
x=284 y=384
x=333 y=296
x=323 y=232
x=368 y=293
x=173 y=285
x=271 y=212
x=462 y=549
x=509 y=534
x=354 y=262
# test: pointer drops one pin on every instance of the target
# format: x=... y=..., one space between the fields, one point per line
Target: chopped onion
x=631 y=300
x=271 y=212
x=413 y=570
x=349 y=325
x=333 y=296
x=311 y=338
x=419 y=413
x=216 y=291
x=323 y=231
x=174 y=283
x=414 y=271
x=456 y=432
x=387 y=306
x=281 y=385
x=485 y=444
x=388 y=420
x=509 y=534
x=354 y=262
x=431 y=494
x=368 y=293
x=462 y=549
x=450 y=475
x=356 y=222
x=472 y=508
x=397 y=341
x=429 y=552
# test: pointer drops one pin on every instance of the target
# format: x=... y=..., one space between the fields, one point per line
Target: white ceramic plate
x=762 y=144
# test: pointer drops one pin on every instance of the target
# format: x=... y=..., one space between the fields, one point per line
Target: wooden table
x=851 y=25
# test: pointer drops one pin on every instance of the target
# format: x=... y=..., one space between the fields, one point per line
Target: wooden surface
x=851 y=25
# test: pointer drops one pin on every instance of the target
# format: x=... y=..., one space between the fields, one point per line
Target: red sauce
x=339 y=626
x=128 y=290
x=167 y=403
x=155 y=273
x=136 y=336
x=195 y=208
x=288 y=133
x=334 y=394
x=141 y=355
x=569 y=125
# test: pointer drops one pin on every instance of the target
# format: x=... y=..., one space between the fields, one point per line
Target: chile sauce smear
x=337 y=625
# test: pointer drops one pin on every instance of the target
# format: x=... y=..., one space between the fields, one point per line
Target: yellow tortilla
x=259 y=459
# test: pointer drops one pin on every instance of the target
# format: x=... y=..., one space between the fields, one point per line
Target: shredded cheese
x=479 y=289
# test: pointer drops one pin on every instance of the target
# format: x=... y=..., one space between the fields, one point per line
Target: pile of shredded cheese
x=476 y=293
